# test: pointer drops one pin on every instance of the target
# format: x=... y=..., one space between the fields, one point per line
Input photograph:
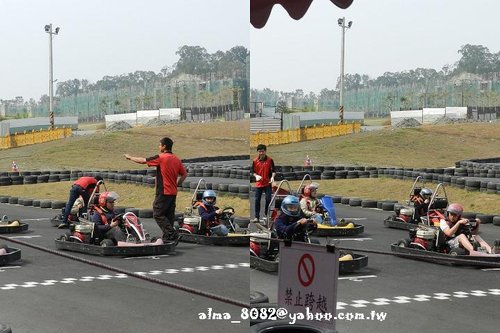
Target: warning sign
x=306 y=270
x=308 y=276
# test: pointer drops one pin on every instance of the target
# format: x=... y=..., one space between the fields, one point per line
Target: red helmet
x=188 y=228
x=105 y=197
x=310 y=188
x=254 y=248
x=455 y=208
x=78 y=237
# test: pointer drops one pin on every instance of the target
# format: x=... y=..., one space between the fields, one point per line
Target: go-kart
x=406 y=217
x=193 y=230
x=428 y=243
x=330 y=226
x=83 y=237
x=264 y=242
x=10 y=227
x=10 y=255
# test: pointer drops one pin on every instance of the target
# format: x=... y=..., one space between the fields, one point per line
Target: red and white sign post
x=308 y=276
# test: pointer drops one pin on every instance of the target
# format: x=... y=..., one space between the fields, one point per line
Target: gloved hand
x=258 y=178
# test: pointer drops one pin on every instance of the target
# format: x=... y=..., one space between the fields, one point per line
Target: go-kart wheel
x=404 y=242
x=65 y=237
x=458 y=251
x=107 y=242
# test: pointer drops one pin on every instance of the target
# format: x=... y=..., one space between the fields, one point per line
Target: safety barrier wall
x=302 y=134
x=31 y=137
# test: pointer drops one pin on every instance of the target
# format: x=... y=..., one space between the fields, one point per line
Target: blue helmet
x=209 y=194
x=291 y=206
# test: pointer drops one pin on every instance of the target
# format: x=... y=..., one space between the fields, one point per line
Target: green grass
x=105 y=150
x=426 y=146
x=130 y=195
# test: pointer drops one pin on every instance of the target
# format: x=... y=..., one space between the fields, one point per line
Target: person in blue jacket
x=210 y=215
x=289 y=224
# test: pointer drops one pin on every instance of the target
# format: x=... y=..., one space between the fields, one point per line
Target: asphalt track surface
x=416 y=296
x=44 y=292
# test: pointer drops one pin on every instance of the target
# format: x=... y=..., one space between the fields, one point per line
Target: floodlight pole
x=48 y=29
x=341 y=22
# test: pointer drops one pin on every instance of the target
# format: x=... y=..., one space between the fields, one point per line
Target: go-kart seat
x=439 y=203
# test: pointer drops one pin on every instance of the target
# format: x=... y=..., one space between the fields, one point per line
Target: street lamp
x=48 y=29
x=342 y=24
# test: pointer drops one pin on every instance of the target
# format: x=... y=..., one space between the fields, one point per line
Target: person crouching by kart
x=453 y=228
x=210 y=215
x=83 y=187
x=310 y=206
x=104 y=217
x=289 y=224
x=421 y=203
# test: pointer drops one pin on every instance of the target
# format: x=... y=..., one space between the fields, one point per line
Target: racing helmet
x=425 y=193
x=291 y=206
x=106 y=197
x=310 y=188
x=455 y=208
x=209 y=194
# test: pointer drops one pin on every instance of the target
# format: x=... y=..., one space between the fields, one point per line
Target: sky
x=386 y=36
x=108 y=37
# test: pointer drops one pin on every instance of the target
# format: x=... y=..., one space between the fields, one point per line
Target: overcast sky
x=108 y=37
x=386 y=36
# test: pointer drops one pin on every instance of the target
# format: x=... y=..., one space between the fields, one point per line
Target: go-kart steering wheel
x=226 y=213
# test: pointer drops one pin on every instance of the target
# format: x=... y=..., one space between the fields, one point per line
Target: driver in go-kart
x=104 y=217
x=421 y=203
x=453 y=228
x=210 y=215
x=289 y=224
x=310 y=206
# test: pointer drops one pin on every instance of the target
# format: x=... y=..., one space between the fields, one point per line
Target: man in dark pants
x=82 y=187
x=170 y=173
x=263 y=171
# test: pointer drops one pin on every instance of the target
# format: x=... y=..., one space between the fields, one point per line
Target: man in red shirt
x=263 y=171
x=170 y=173
x=84 y=187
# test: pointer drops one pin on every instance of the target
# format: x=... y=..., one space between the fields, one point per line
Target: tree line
x=474 y=59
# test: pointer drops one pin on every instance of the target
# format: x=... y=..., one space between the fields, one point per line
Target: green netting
x=180 y=93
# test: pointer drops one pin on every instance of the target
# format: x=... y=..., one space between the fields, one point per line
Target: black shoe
x=63 y=226
x=172 y=238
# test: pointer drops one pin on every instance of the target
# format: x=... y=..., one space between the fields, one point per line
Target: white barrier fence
x=429 y=115
x=142 y=117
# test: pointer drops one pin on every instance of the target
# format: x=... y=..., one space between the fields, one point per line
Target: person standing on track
x=264 y=172
x=170 y=173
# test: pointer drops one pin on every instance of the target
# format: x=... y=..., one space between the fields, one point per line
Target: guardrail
x=31 y=137
x=303 y=134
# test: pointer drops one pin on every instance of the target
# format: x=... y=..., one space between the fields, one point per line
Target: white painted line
x=39 y=219
x=356 y=278
x=490 y=269
x=32 y=284
x=25 y=237
x=350 y=239
x=347 y=219
x=148 y=257
x=2 y=269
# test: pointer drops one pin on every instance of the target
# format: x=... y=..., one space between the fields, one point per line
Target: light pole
x=48 y=29
x=342 y=24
